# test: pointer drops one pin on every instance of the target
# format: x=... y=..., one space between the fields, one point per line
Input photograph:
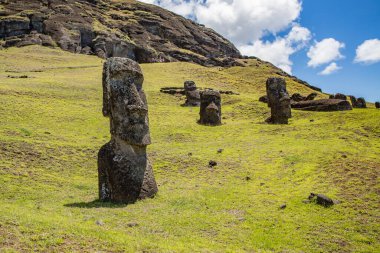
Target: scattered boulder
x=321 y=199
x=325 y=105
x=283 y=206
x=125 y=173
x=278 y=101
x=212 y=163
x=193 y=97
x=220 y=151
x=211 y=108
x=377 y=105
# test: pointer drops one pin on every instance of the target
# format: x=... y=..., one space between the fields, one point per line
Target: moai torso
x=192 y=94
x=278 y=101
x=211 y=108
x=125 y=173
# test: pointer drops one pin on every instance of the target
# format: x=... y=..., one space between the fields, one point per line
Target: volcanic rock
x=211 y=108
x=323 y=105
x=278 y=101
x=125 y=173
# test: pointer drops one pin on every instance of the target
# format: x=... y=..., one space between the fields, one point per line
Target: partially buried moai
x=125 y=173
x=192 y=94
x=278 y=101
x=211 y=108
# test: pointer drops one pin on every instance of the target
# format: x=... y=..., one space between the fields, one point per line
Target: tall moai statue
x=125 y=173
x=278 y=101
x=211 y=108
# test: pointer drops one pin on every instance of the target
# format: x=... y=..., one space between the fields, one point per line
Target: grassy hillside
x=51 y=129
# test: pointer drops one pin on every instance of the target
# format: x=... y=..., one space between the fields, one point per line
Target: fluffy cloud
x=279 y=51
x=242 y=21
x=246 y=22
x=332 y=68
x=368 y=52
x=324 y=52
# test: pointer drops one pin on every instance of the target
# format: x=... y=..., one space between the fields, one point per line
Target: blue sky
x=332 y=44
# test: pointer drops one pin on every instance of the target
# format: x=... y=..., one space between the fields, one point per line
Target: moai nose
x=212 y=107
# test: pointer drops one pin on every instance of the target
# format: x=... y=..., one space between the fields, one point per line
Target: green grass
x=51 y=129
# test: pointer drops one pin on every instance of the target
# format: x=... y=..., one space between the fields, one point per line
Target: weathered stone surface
x=311 y=96
x=297 y=97
x=377 y=105
x=211 y=108
x=358 y=103
x=193 y=97
x=361 y=103
x=125 y=173
x=278 y=101
x=323 y=105
x=340 y=96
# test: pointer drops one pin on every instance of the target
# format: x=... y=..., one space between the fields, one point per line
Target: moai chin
x=192 y=94
x=278 y=101
x=125 y=173
x=211 y=108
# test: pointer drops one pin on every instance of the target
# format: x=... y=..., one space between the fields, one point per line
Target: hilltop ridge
x=143 y=32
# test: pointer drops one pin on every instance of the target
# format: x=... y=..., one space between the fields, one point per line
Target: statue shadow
x=96 y=204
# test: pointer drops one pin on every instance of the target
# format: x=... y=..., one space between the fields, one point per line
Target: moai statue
x=354 y=101
x=192 y=94
x=278 y=101
x=125 y=173
x=361 y=103
x=377 y=105
x=211 y=108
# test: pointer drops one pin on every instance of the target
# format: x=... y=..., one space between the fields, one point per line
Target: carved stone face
x=190 y=86
x=211 y=111
x=278 y=100
x=125 y=102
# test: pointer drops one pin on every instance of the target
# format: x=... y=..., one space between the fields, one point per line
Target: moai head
x=377 y=105
x=211 y=111
x=361 y=103
x=124 y=101
x=353 y=101
x=190 y=86
x=278 y=100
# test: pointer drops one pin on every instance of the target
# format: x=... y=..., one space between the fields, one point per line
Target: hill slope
x=128 y=28
x=52 y=129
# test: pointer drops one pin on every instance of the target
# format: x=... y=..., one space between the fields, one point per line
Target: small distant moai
x=192 y=94
x=361 y=103
x=125 y=173
x=278 y=101
x=377 y=105
x=354 y=101
x=211 y=108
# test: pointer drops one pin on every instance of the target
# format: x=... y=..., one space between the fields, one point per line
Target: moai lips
x=125 y=173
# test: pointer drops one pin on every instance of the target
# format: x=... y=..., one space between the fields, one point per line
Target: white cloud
x=279 y=51
x=332 y=68
x=246 y=22
x=242 y=21
x=368 y=52
x=324 y=52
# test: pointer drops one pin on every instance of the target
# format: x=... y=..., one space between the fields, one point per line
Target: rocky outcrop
x=125 y=173
x=211 y=108
x=278 y=101
x=110 y=28
x=325 y=105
